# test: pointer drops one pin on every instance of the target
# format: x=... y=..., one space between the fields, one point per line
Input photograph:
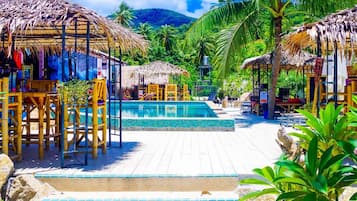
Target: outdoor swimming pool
x=163 y=110
x=173 y=116
x=166 y=116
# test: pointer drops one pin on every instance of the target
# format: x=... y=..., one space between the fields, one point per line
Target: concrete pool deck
x=193 y=153
x=163 y=165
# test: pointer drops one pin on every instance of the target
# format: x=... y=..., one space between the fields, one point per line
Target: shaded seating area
x=150 y=81
x=261 y=66
x=31 y=102
x=332 y=78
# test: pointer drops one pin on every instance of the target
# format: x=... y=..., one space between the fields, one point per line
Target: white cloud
x=206 y=5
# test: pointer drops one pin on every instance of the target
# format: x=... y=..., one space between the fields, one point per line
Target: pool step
x=116 y=183
x=148 y=196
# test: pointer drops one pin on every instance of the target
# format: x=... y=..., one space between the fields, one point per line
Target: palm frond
x=218 y=16
x=232 y=40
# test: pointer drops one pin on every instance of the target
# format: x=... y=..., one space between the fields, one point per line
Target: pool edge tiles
x=91 y=175
x=178 y=124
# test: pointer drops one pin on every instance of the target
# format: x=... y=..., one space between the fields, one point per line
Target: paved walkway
x=252 y=145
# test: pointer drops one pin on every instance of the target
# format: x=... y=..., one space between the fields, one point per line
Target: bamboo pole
x=5 y=116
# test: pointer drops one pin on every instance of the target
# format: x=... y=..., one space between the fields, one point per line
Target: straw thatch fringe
x=39 y=23
x=288 y=61
x=340 y=27
x=163 y=68
x=157 y=72
x=131 y=77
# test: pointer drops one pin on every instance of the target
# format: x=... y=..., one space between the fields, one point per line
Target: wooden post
x=95 y=119
x=349 y=94
x=308 y=88
x=40 y=127
x=104 y=117
x=353 y=90
x=335 y=74
x=5 y=116
x=19 y=125
x=317 y=72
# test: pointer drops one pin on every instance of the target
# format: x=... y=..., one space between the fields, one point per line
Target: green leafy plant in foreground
x=331 y=129
x=318 y=178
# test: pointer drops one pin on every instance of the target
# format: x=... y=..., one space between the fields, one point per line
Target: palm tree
x=244 y=19
x=124 y=15
x=204 y=47
x=145 y=30
x=166 y=37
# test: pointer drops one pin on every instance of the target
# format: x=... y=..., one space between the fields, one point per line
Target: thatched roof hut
x=157 y=72
x=131 y=77
x=288 y=61
x=340 y=27
x=161 y=68
x=38 y=23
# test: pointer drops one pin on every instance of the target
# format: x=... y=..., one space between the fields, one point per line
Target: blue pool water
x=167 y=116
x=163 y=110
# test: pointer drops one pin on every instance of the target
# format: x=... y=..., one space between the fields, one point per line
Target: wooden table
x=40 y=101
x=289 y=107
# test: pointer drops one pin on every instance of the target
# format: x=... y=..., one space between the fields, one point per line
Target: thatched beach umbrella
x=38 y=23
x=161 y=68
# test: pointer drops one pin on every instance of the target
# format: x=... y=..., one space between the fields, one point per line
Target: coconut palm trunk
x=276 y=66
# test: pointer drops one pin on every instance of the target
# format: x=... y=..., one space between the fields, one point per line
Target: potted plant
x=75 y=91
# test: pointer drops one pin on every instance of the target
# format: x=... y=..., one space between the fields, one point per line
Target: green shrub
x=75 y=91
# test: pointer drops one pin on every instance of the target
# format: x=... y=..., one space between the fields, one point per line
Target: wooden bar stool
x=41 y=105
x=185 y=93
x=171 y=92
x=97 y=104
x=153 y=89
x=11 y=111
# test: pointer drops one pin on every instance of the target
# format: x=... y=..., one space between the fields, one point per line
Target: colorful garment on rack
x=18 y=59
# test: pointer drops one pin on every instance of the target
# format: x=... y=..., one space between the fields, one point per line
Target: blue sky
x=193 y=8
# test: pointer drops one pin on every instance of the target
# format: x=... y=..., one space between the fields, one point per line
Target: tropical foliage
x=231 y=32
x=124 y=15
x=323 y=174
x=75 y=91
x=330 y=129
x=242 y=22
x=319 y=178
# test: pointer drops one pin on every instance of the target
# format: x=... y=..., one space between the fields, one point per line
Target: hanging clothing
x=18 y=58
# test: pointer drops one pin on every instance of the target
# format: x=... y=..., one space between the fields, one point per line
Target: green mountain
x=157 y=17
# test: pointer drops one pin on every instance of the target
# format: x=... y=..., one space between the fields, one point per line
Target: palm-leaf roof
x=160 y=67
x=38 y=23
x=340 y=27
x=288 y=61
